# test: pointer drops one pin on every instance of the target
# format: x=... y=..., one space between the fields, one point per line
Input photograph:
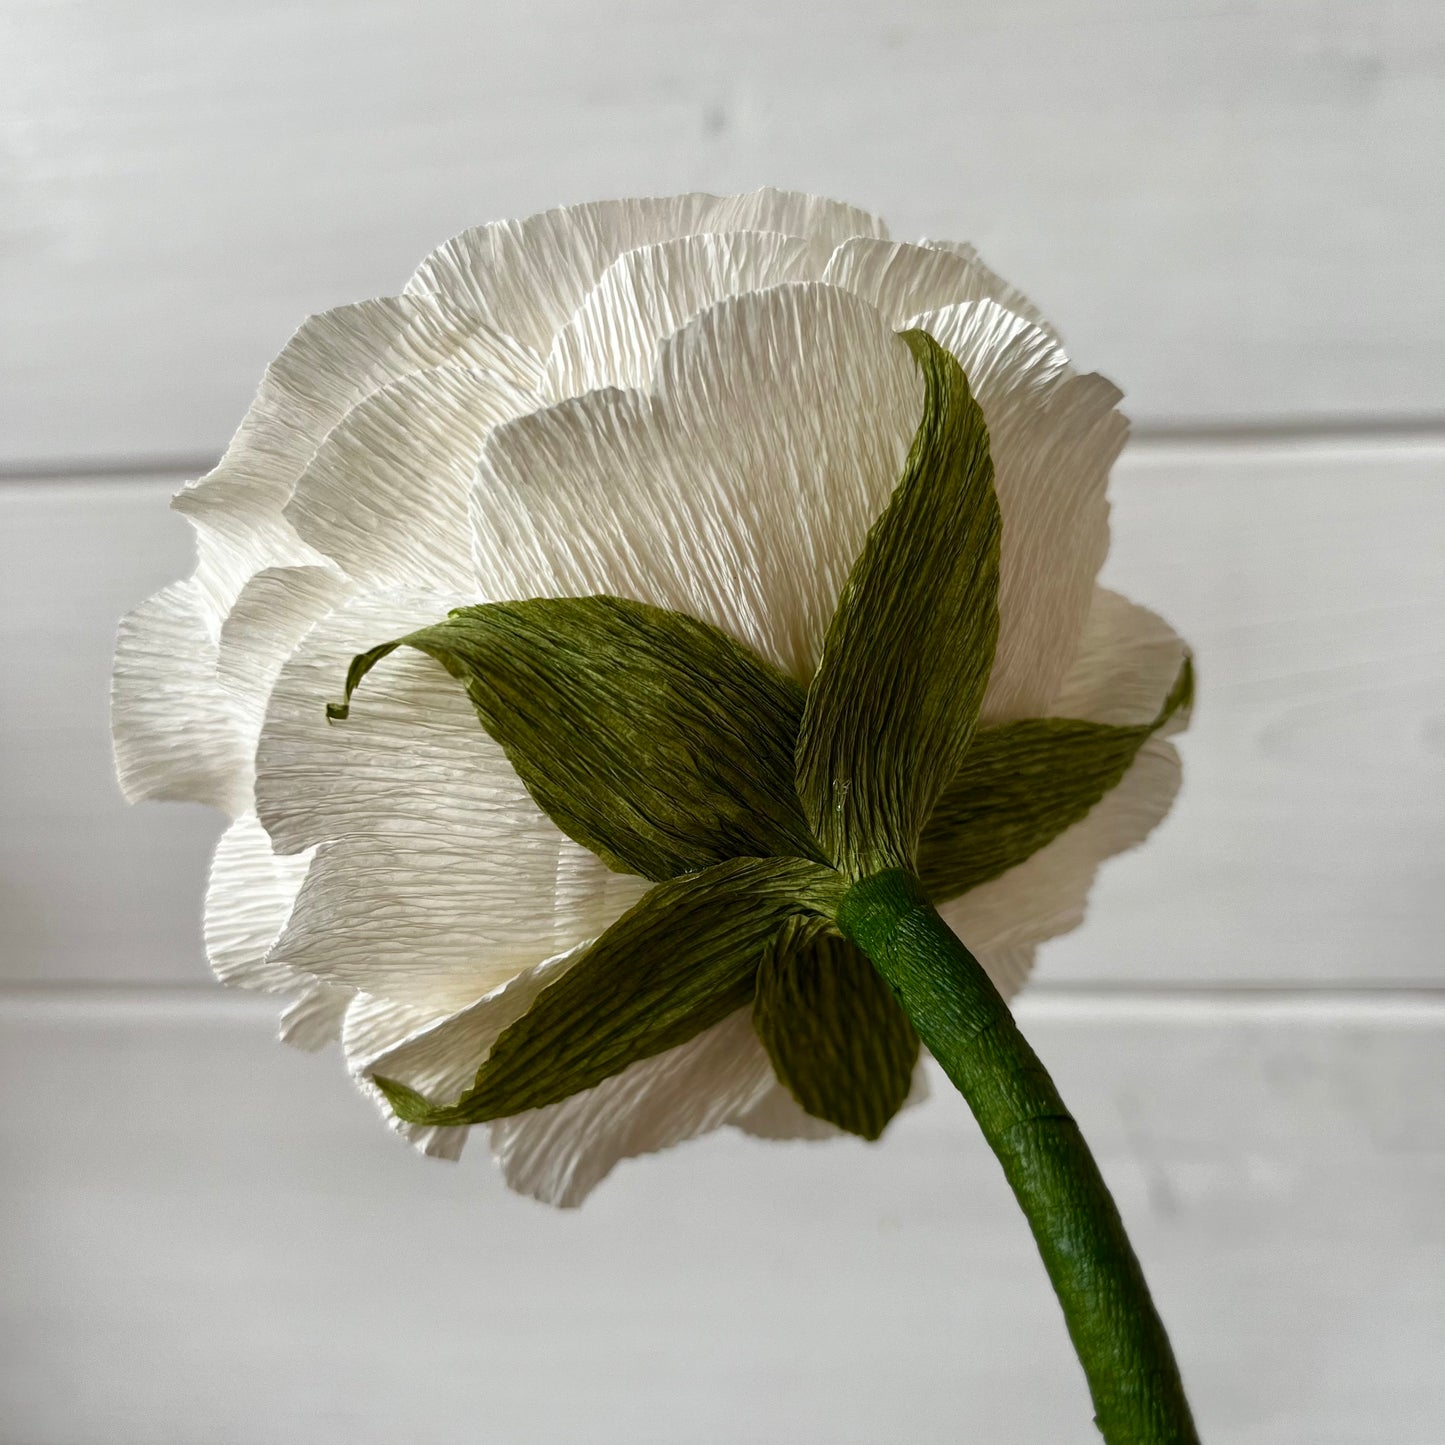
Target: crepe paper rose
x=656 y=671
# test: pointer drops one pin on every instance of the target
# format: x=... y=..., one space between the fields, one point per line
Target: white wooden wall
x=1237 y=211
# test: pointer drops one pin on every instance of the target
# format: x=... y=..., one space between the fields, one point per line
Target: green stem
x=1117 y=1333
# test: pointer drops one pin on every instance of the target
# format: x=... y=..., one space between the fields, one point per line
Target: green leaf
x=908 y=652
x=647 y=736
x=681 y=960
x=835 y=1034
x=1021 y=785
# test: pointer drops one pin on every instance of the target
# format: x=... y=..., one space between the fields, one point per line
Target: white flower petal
x=1047 y=894
x=437 y=918
x=272 y=613
x=438 y=1053
x=645 y=295
x=561 y=1153
x=409 y=928
x=313 y=1020
x=1007 y=296
x=1054 y=435
x=375 y=1026
x=187 y=709
x=434 y=1050
x=170 y=720
x=437 y=877
x=250 y=895
x=385 y=496
x=1128 y=660
x=903 y=280
x=527 y=277
x=793 y=213
x=333 y=362
x=740 y=491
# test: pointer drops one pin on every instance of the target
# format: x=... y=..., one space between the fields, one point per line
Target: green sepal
x=907 y=655
x=1021 y=784
x=837 y=1038
x=647 y=736
x=682 y=959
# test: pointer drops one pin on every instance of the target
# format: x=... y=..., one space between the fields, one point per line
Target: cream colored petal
x=1054 y=435
x=645 y=295
x=385 y=496
x=1047 y=894
x=903 y=281
x=437 y=877
x=376 y=1026
x=314 y=1018
x=271 y=615
x=528 y=277
x=740 y=490
x=333 y=362
x=435 y=1050
x=561 y=1153
x=411 y=746
x=1128 y=660
x=170 y=720
x=187 y=709
x=823 y=222
x=248 y=900
x=1007 y=296
x=252 y=891
x=178 y=731
x=425 y=916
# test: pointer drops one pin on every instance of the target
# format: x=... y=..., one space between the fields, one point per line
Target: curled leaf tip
x=361 y=664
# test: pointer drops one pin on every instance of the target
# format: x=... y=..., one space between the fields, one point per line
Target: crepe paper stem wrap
x=1117 y=1333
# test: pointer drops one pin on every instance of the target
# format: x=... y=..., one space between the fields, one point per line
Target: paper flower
x=698 y=404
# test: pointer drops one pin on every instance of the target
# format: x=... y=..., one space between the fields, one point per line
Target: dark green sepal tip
x=408 y=1105
x=837 y=1039
x=1181 y=695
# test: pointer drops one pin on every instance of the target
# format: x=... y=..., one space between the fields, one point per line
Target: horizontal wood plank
x=1225 y=207
x=1304 y=850
x=205 y=1236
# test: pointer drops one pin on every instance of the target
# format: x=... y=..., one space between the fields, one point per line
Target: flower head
x=619 y=475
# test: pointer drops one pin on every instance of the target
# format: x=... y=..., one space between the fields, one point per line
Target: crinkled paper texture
x=696 y=402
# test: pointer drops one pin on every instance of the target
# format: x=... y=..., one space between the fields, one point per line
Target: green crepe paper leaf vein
x=910 y=647
x=1021 y=784
x=682 y=959
x=647 y=736
x=837 y=1037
